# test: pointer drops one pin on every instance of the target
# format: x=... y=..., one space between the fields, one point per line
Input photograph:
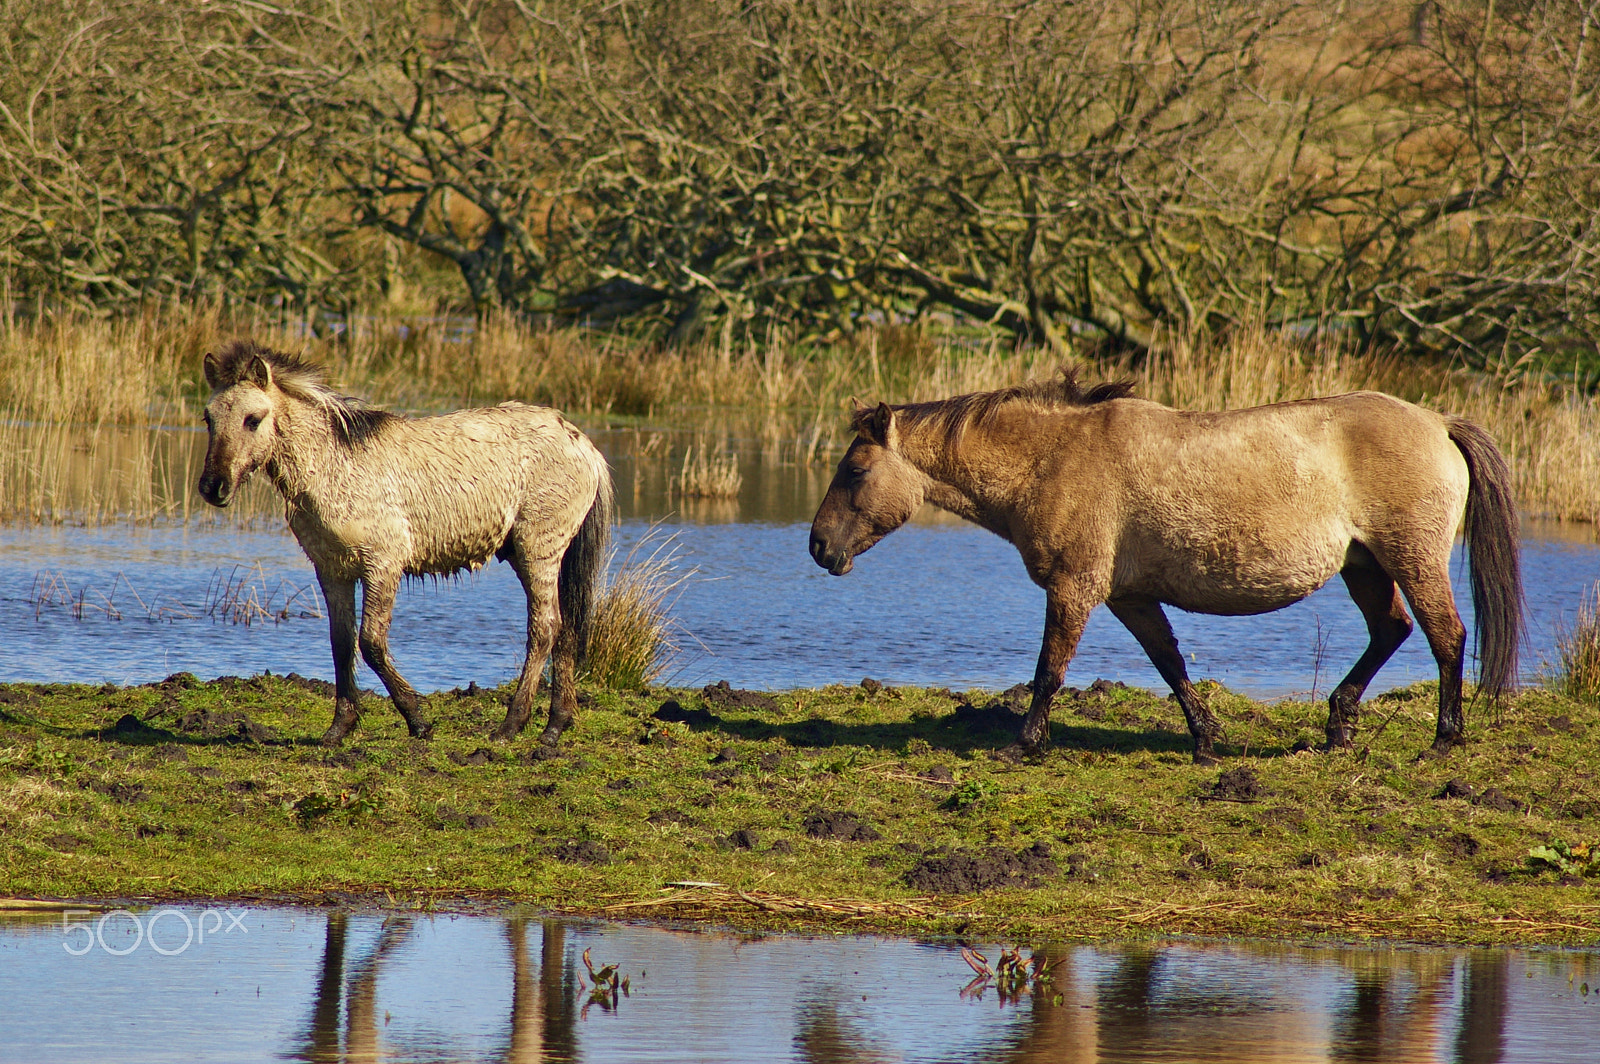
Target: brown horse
x=374 y=496
x=1118 y=500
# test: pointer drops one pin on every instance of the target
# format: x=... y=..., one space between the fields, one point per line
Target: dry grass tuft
x=632 y=638
x=1577 y=670
x=707 y=475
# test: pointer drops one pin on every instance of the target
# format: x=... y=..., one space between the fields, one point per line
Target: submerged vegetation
x=866 y=807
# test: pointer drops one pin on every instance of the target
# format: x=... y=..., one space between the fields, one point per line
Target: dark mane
x=352 y=420
x=956 y=414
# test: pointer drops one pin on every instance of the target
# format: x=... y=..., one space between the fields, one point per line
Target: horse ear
x=880 y=427
x=259 y=373
x=213 y=371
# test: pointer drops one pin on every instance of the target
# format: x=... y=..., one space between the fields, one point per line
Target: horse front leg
x=1066 y=612
x=377 y=610
x=1148 y=622
x=340 y=596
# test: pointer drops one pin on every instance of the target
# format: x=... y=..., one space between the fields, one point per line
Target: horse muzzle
x=837 y=563
x=214 y=490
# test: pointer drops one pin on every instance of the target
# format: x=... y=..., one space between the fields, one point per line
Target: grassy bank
x=840 y=807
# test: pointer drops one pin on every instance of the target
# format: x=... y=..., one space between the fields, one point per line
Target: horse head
x=874 y=492
x=241 y=419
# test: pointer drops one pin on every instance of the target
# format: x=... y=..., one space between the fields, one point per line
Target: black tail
x=1492 y=552
x=581 y=565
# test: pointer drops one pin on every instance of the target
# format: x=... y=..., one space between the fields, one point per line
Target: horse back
x=1249 y=510
x=439 y=494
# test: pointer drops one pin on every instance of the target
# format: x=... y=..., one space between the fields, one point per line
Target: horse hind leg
x=377 y=610
x=1148 y=622
x=1388 y=626
x=1434 y=605
x=539 y=585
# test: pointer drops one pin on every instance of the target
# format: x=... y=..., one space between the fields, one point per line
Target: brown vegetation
x=1096 y=172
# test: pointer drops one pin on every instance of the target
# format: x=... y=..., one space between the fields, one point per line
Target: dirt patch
x=130 y=729
x=724 y=696
x=726 y=756
x=1490 y=798
x=670 y=816
x=539 y=790
x=1001 y=714
x=973 y=871
x=1462 y=845
x=743 y=839
x=447 y=816
x=236 y=727
x=1239 y=784
x=123 y=791
x=621 y=783
x=541 y=752
x=321 y=688
x=672 y=711
x=1496 y=799
x=587 y=852
x=770 y=761
x=843 y=826
x=481 y=756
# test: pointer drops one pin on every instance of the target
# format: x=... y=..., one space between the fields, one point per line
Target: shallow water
x=939 y=603
x=933 y=605
x=314 y=985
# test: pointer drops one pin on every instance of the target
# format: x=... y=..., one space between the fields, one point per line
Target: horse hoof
x=420 y=730
x=1206 y=758
x=334 y=736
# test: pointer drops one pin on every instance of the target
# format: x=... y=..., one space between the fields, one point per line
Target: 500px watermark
x=143 y=927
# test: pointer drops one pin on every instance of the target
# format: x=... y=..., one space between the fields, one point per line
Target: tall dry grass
x=143 y=370
x=632 y=639
x=1576 y=671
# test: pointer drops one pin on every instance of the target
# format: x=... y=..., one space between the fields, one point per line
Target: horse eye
x=858 y=471
x=252 y=422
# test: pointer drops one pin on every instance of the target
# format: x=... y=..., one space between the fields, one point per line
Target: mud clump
x=1490 y=798
x=124 y=792
x=743 y=839
x=234 y=727
x=322 y=688
x=724 y=696
x=587 y=852
x=1238 y=785
x=670 y=816
x=481 y=756
x=130 y=729
x=846 y=827
x=673 y=712
x=973 y=871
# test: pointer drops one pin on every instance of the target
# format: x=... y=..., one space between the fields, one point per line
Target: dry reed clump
x=707 y=475
x=1576 y=672
x=143 y=369
x=632 y=635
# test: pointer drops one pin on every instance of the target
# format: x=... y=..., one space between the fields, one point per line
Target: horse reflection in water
x=1397 y=1011
x=543 y=1000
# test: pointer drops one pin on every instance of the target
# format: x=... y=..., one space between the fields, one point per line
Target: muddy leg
x=1148 y=623
x=539 y=584
x=1066 y=611
x=377 y=608
x=1434 y=606
x=564 y=686
x=341 y=598
x=1387 y=627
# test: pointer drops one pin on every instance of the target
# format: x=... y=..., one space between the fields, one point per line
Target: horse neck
x=307 y=452
x=979 y=478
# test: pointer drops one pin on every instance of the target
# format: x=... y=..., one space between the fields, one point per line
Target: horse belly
x=1243 y=579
